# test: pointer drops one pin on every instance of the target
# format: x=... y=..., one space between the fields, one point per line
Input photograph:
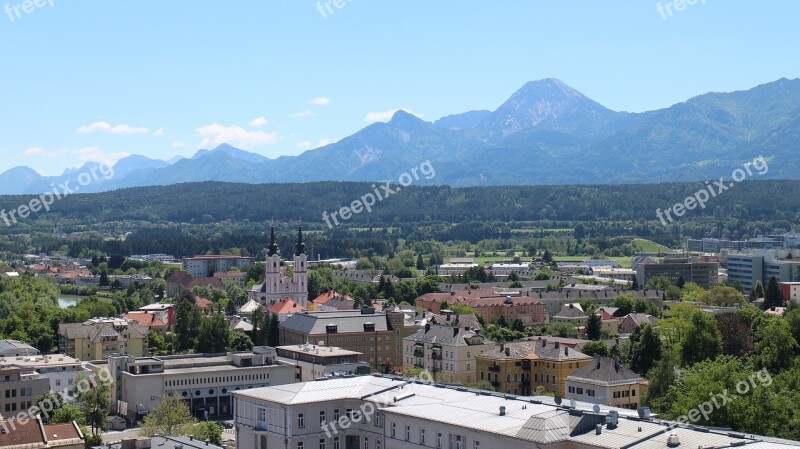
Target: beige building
x=606 y=381
x=19 y=386
x=316 y=362
x=370 y=412
x=204 y=382
x=99 y=338
x=378 y=336
x=59 y=369
x=448 y=352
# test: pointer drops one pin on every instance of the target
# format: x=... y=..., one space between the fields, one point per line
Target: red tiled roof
x=284 y=307
x=61 y=432
x=325 y=297
x=203 y=303
x=19 y=434
x=144 y=318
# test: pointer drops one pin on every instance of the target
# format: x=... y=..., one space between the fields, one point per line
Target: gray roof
x=570 y=311
x=93 y=331
x=608 y=373
x=452 y=336
x=15 y=348
x=346 y=321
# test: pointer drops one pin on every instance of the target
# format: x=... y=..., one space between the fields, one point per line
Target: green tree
x=214 y=334
x=241 y=342
x=94 y=401
x=774 y=295
x=595 y=347
x=66 y=414
x=594 y=326
x=757 y=291
x=776 y=345
x=420 y=263
x=171 y=416
x=661 y=377
x=720 y=295
x=273 y=337
x=645 y=348
x=208 y=431
x=702 y=340
x=658 y=283
x=187 y=321
x=561 y=329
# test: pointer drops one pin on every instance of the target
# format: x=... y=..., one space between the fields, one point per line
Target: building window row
x=216 y=380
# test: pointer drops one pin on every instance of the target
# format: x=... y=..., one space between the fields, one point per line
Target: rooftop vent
x=673 y=441
x=502 y=411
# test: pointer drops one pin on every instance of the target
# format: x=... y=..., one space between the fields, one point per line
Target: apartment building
x=314 y=362
x=205 y=382
x=99 y=338
x=606 y=381
x=751 y=267
x=19 y=387
x=59 y=369
x=704 y=274
x=378 y=336
x=448 y=352
x=489 y=305
x=370 y=412
x=206 y=266
x=520 y=367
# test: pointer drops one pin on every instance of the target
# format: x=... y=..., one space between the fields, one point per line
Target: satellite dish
x=596 y=408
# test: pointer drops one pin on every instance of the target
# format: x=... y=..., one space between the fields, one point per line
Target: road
x=115 y=436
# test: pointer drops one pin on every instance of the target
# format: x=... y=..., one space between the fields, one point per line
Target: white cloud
x=95 y=154
x=301 y=114
x=304 y=145
x=34 y=150
x=324 y=142
x=216 y=134
x=385 y=116
x=321 y=101
x=159 y=132
x=111 y=129
x=258 y=122
x=179 y=144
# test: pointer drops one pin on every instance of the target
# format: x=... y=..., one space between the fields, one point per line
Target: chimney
x=558 y=345
x=597 y=361
x=502 y=347
x=544 y=343
x=598 y=429
x=616 y=362
x=566 y=350
x=508 y=352
x=455 y=331
x=502 y=411
x=427 y=327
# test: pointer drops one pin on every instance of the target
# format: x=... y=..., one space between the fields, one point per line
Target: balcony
x=494 y=368
x=419 y=353
x=436 y=356
x=525 y=383
x=495 y=383
x=437 y=368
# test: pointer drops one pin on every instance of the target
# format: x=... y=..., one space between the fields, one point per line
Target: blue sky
x=97 y=80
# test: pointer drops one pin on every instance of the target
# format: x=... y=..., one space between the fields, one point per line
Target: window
x=477 y=444
x=262 y=415
x=336 y=414
x=378 y=444
x=366 y=443
x=336 y=443
x=571 y=389
x=438 y=440
x=580 y=390
x=408 y=433
x=422 y=437
x=616 y=395
x=590 y=392
x=300 y=445
x=322 y=418
x=321 y=444
x=394 y=430
x=301 y=420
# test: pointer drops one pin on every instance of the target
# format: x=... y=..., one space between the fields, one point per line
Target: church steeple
x=300 y=248
x=273 y=245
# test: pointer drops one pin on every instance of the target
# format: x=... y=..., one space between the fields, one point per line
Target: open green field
x=647 y=246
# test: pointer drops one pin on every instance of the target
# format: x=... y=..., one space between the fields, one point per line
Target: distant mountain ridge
x=545 y=133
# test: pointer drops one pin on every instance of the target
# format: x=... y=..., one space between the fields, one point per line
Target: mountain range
x=545 y=133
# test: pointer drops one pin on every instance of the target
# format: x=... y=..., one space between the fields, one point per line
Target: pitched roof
x=640 y=318
x=203 y=303
x=570 y=311
x=285 y=307
x=215 y=283
x=329 y=295
x=22 y=433
x=180 y=277
x=606 y=372
x=249 y=307
x=346 y=322
x=452 y=336
x=144 y=318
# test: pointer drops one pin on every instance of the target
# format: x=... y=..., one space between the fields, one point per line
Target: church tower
x=273 y=278
x=300 y=277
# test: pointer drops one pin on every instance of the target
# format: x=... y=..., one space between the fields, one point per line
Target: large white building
x=383 y=413
x=277 y=285
x=59 y=369
x=206 y=266
x=204 y=382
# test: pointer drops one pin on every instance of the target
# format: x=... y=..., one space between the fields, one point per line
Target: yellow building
x=520 y=367
x=449 y=352
x=98 y=338
x=606 y=381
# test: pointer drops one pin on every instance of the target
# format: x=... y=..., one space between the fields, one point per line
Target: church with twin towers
x=277 y=285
